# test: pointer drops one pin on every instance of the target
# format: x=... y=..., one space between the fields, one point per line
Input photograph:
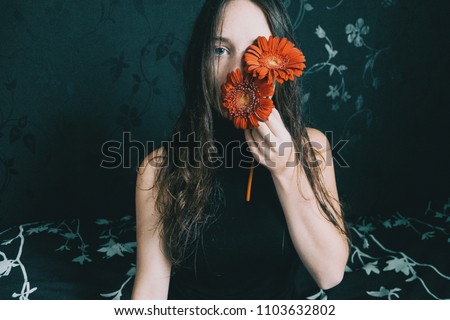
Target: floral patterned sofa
x=392 y=257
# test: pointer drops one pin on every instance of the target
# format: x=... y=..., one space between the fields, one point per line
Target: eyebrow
x=221 y=39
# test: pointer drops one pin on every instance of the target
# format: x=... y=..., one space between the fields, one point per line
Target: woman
x=197 y=236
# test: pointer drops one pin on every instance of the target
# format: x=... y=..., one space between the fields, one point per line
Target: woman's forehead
x=242 y=22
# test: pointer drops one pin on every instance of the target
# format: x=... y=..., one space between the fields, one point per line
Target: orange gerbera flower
x=246 y=99
x=276 y=59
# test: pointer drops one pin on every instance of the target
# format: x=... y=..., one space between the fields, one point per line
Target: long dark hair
x=185 y=191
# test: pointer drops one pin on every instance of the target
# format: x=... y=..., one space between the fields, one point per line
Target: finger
x=270 y=141
x=252 y=145
x=275 y=123
x=256 y=137
x=249 y=136
x=264 y=147
x=267 y=135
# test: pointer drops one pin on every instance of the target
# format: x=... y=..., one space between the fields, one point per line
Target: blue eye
x=220 y=51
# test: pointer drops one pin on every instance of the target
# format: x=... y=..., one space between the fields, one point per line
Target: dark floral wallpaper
x=76 y=75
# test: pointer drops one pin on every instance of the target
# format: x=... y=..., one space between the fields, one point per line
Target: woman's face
x=242 y=22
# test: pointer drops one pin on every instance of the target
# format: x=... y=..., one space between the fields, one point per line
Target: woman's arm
x=152 y=267
x=322 y=248
x=319 y=244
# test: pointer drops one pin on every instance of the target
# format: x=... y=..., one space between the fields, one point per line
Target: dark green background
x=75 y=74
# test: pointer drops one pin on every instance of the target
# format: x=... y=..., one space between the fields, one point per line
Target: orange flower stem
x=250 y=179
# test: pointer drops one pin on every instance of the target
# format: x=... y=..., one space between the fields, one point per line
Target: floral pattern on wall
x=77 y=74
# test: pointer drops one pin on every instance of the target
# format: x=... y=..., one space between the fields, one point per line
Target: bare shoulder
x=318 y=140
x=149 y=167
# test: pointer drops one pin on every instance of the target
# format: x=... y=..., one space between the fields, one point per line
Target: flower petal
x=274 y=59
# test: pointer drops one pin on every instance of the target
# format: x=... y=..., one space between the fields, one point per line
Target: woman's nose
x=239 y=63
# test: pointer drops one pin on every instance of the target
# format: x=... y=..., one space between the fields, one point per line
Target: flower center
x=273 y=61
x=244 y=100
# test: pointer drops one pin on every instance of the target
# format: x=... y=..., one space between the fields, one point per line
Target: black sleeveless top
x=246 y=253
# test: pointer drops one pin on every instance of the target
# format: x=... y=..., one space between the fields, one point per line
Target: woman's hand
x=271 y=145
